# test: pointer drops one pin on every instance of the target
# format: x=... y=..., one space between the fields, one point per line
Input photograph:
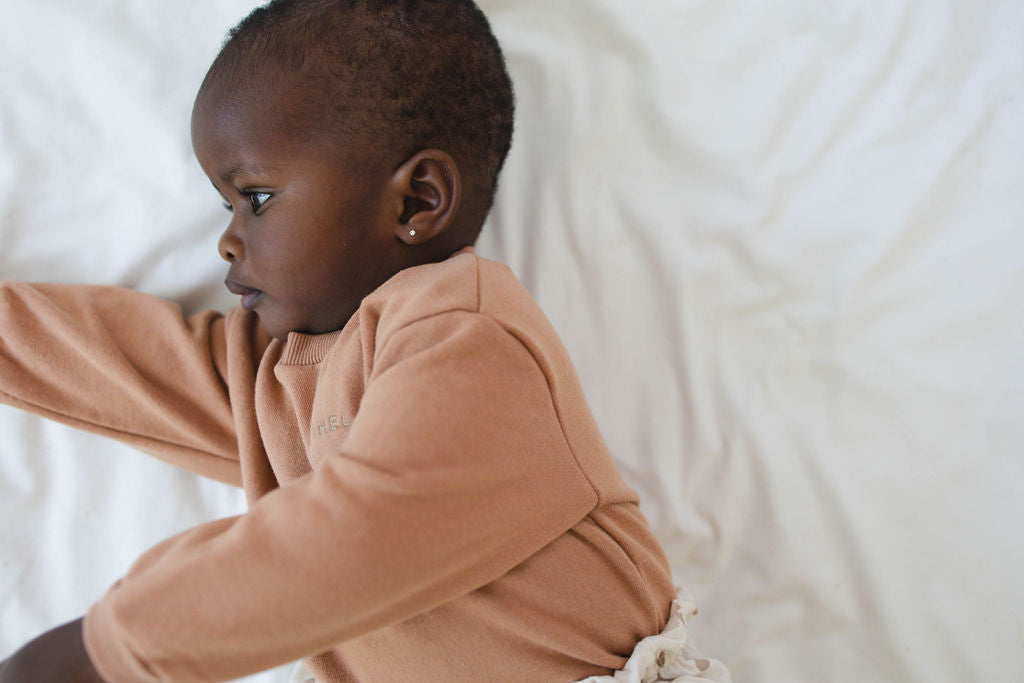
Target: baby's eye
x=257 y=200
x=227 y=205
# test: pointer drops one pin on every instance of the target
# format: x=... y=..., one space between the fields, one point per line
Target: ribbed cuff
x=111 y=657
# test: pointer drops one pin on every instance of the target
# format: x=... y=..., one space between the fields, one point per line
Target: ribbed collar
x=308 y=349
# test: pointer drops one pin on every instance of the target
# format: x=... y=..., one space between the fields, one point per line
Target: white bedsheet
x=784 y=242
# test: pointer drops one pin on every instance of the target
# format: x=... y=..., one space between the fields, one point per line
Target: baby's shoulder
x=465 y=282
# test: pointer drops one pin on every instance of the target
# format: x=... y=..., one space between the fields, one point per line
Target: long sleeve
x=455 y=470
x=121 y=364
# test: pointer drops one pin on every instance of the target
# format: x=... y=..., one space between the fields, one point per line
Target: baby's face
x=308 y=237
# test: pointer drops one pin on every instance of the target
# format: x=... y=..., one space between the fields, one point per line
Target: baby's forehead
x=285 y=120
x=285 y=102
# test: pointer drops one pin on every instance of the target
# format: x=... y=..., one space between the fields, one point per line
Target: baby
x=429 y=496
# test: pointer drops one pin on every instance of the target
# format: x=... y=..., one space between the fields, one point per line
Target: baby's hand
x=57 y=655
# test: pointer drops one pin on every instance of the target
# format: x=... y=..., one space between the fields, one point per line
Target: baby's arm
x=454 y=470
x=125 y=365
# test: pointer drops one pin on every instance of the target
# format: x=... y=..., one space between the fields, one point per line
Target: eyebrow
x=242 y=167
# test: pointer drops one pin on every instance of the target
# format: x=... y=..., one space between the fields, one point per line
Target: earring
x=412 y=233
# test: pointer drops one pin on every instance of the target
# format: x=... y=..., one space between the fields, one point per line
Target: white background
x=782 y=240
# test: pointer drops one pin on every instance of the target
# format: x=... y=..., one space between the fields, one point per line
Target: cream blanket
x=782 y=240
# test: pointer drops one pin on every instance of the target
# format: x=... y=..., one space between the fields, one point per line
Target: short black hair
x=406 y=74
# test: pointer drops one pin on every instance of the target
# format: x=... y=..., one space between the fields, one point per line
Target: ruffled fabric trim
x=670 y=656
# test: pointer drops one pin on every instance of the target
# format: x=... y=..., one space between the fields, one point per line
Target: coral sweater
x=429 y=496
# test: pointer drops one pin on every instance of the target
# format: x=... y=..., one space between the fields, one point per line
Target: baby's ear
x=427 y=190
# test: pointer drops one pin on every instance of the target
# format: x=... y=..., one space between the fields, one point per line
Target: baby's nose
x=230 y=246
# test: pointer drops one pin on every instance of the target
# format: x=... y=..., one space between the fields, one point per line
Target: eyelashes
x=256 y=200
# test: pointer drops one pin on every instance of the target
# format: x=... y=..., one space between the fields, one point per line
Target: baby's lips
x=249 y=295
x=236 y=288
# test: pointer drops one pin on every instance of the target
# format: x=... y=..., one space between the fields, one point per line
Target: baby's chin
x=273 y=327
x=281 y=330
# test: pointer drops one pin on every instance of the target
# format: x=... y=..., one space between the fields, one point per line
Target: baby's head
x=351 y=139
